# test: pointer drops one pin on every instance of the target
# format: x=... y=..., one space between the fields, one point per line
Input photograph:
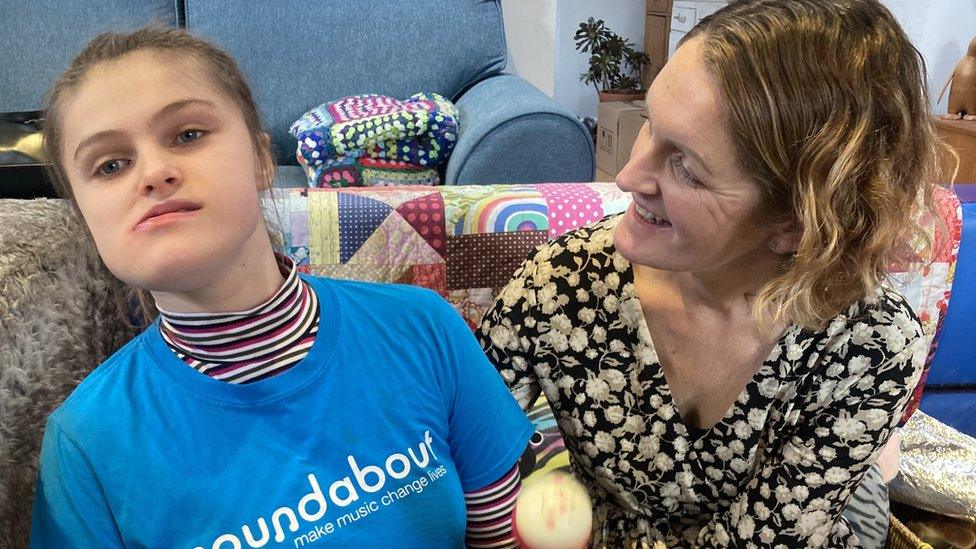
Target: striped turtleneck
x=247 y=346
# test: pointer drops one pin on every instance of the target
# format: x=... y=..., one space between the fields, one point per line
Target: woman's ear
x=784 y=238
x=265 y=167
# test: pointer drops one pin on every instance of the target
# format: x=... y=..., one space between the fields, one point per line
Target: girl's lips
x=164 y=219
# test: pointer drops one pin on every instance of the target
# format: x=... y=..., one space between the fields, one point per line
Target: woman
x=723 y=359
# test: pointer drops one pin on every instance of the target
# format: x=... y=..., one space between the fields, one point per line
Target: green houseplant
x=615 y=66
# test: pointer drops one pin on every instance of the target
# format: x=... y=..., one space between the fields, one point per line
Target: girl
x=724 y=360
x=263 y=408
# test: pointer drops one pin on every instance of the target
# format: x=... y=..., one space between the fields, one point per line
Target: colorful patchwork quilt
x=465 y=242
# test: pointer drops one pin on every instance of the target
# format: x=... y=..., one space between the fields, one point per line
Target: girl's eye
x=110 y=168
x=677 y=162
x=189 y=136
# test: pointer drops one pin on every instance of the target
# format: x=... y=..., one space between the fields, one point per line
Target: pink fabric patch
x=571 y=206
x=426 y=215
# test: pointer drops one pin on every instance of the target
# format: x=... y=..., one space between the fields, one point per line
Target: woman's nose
x=642 y=170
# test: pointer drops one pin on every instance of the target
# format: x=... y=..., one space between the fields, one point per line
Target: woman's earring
x=775 y=246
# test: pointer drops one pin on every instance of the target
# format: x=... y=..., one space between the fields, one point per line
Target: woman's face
x=694 y=210
x=142 y=132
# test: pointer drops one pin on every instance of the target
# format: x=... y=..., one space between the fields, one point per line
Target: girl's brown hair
x=826 y=101
x=213 y=61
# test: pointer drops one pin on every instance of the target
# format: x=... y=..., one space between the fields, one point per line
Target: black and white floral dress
x=776 y=471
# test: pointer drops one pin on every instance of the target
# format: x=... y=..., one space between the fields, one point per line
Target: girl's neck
x=250 y=281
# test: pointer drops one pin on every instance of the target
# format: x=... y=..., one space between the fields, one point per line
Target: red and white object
x=553 y=512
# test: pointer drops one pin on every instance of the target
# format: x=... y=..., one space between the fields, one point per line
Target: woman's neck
x=727 y=291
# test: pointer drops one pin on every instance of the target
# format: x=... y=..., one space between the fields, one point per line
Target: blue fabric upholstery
x=313 y=52
x=954 y=408
x=955 y=359
x=39 y=39
x=950 y=390
x=290 y=176
x=298 y=55
x=512 y=132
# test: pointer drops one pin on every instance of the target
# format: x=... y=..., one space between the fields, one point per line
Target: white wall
x=624 y=17
x=530 y=31
x=941 y=30
x=541 y=49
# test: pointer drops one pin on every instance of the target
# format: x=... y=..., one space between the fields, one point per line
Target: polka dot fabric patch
x=570 y=206
x=426 y=216
x=488 y=260
x=359 y=217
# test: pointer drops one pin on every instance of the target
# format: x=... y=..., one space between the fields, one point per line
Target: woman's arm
x=504 y=335
x=799 y=490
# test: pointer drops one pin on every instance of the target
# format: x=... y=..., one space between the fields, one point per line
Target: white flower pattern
x=773 y=472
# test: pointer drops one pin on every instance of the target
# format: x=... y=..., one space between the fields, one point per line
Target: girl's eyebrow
x=161 y=113
x=106 y=135
x=176 y=106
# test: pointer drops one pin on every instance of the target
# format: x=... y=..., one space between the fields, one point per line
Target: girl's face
x=145 y=132
x=694 y=210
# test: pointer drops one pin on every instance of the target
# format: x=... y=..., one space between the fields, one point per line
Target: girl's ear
x=265 y=167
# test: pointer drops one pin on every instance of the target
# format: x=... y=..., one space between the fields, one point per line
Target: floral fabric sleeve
x=799 y=490
x=501 y=335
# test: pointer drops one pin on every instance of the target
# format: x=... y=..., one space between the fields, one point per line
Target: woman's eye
x=111 y=167
x=678 y=162
x=189 y=136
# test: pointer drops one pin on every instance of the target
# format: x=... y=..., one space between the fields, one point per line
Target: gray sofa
x=299 y=54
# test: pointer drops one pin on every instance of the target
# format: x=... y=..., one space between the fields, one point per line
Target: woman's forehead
x=684 y=91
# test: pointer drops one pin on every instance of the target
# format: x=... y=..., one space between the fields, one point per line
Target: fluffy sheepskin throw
x=61 y=314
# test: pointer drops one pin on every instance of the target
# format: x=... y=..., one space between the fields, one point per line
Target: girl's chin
x=169 y=274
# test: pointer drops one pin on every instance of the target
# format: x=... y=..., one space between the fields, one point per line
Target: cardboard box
x=655 y=45
x=658 y=6
x=603 y=177
x=618 y=124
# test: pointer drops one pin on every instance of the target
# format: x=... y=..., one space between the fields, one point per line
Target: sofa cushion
x=39 y=40
x=950 y=392
x=314 y=52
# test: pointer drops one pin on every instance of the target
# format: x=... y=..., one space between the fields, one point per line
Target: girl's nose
x=160 y=171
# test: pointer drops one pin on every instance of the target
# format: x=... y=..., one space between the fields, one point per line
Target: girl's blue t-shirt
x=370 y=440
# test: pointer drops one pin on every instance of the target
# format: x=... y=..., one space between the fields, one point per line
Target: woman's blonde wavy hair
x=828 y=107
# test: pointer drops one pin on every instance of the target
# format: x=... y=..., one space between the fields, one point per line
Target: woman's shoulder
x=885 y=308
x=577 y=249
x=883 y=326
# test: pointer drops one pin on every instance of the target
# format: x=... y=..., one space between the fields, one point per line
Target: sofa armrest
x=513 y=133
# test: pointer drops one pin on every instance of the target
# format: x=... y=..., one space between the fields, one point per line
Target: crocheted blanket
x=375 y=140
